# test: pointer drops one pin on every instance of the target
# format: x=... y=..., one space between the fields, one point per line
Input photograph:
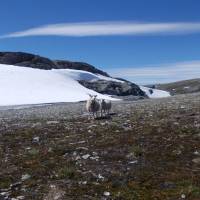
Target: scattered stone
x=54 y=193
x=20 y=197
x=183 y=196
x=94 y=158
x=106 y=194
x=14 y=185
x=36 y=139
x=36 y=124
x=25 y=177
x=82 y=148
x=86 y=156
x=196 y=160
x=133 y=162
x=100 y=177
x=82 y=182
x=92 y=126
x=77 y=158
x=196 y=153
x=52 y=122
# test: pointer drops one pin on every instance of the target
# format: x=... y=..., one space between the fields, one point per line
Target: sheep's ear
x=95 y=96
x=90 y=95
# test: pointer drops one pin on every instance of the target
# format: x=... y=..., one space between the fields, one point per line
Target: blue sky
x=163 y=54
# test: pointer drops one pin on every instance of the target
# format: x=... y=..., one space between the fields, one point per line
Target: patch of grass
x=66 y=172
x=5 y=182
x=137 y=151
x=33 y=152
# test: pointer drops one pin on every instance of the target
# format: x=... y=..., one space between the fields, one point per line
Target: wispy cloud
x=108 y=29
x=160 y=73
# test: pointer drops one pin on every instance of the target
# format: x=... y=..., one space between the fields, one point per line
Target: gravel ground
x=146 y=149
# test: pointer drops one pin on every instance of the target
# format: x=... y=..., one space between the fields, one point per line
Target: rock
x=114 y=88
x=15 y=185
x=106 y=193
x=196 y=160
x=52 y=122
x=100 y=177
x=133 y=162
x=82 y=182
x=94 y=158
x=86 y=156
x=196 y=153
x=26 y=60
x=38 y=62
x=54 y=193
x=25 y=177
x=36 y=139
x=183 y=196
x=20 y=197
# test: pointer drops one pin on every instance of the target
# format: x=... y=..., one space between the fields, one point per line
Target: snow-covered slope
x=21 y=85
x=156 y=93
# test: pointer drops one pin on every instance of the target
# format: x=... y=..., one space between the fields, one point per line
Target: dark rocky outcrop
x=114 y=88
x=35 y=61
x=26 y=60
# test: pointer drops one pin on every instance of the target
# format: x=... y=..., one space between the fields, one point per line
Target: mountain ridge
x=35 y=61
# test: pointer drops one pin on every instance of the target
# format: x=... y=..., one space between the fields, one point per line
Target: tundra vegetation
x=150 y=149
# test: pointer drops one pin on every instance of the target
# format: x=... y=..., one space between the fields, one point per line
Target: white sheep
x=92 y=105
x=105 y=106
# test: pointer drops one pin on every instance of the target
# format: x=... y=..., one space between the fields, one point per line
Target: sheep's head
x=93 y=98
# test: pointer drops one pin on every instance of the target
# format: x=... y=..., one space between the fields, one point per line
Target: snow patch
x=22 y=85
x=155 y=92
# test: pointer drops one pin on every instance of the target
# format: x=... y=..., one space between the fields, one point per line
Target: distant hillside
x=181 y=87
x=35 y=61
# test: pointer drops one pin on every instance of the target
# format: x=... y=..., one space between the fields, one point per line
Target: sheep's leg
x=96 y=114
x=93 y=115
x=90 y=115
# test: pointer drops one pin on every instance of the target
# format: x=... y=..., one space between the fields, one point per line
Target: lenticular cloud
x=108 y=29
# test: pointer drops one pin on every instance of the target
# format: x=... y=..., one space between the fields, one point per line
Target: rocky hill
x=35 y=61
x=101 y=86
x=181 y=87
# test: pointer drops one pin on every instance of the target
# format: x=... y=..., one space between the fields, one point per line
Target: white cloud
x=108 y=29
x=159 y=74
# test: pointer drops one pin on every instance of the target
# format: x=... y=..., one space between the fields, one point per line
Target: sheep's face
x=93 y=99
x=102 y=100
